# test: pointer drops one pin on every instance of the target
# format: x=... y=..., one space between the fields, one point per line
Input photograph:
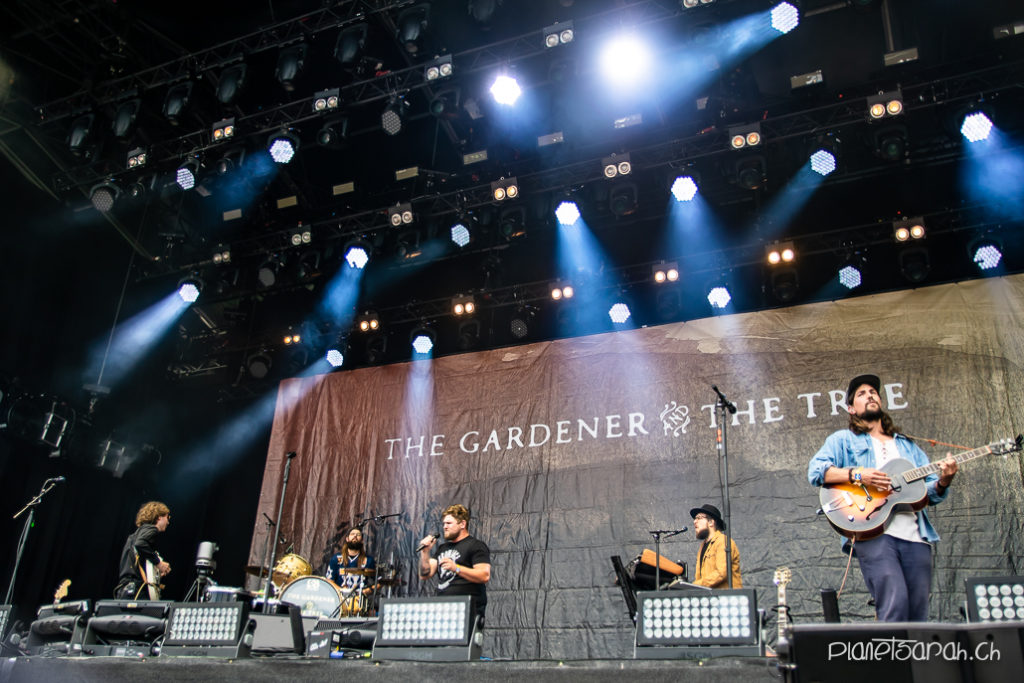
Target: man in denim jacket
x=897 y=565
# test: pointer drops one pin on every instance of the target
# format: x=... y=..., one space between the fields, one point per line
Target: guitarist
x=897 y=565
x=140 y=548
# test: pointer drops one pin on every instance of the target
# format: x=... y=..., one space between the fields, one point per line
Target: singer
x=140 y=553
x=463 y=563
x=712 y=569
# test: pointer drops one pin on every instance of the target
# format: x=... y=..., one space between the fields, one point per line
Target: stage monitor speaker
x=905 y=652
x=830 y=605
x=279 y=632
x=59 y=629
x=208 y=629
x=697 y=624
x=125 y=628
x=441 y=629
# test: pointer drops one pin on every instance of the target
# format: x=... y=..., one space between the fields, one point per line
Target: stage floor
x=277 y=669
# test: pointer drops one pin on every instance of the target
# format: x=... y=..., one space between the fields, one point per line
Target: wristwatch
x=458 y=569
x=856 y=474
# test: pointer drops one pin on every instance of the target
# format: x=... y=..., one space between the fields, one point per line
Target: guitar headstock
x=1008 y=446
x=782 y=576
x=62 y=591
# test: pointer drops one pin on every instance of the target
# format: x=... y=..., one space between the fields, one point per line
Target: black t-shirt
x=467 y=552
x=143 y=541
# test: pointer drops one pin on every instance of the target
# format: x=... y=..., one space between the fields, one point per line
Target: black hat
x=711 y=511
x=856 y=382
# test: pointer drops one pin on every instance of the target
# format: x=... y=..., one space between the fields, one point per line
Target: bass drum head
x=315 y=596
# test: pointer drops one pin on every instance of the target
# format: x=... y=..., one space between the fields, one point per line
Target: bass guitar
x=860 y=512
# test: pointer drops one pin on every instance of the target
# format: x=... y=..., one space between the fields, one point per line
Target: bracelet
x=458 y=569
x=849 y=472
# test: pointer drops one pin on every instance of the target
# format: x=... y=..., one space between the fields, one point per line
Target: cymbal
x=357 y=571
x=256 y=570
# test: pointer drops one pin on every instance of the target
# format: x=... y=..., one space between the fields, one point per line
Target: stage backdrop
x=569 y=452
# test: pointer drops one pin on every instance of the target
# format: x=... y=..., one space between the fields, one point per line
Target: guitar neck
x=925 y=470
x=782 y=611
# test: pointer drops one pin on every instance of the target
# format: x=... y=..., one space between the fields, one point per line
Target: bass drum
x=315 y=596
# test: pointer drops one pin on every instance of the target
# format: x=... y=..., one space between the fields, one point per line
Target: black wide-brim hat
x=856 y=382
x=712 y=511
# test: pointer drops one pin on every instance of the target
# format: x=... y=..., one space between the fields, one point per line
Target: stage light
x=986 y=253
x=290 y=339
x=665 y=272
x=445 y=105
x=561 y=290
x=697 y=624
x=518 y=328
x=505 y=188
x=333 y=133
x=391 y=118
x=427 y=629
x=785 y=17
x=221 y=256
x=400 y=214
x=326 y=100
x=914 y=264
x=460 y=234
x=231 y=82
x=408 y=245
x=282 y=146
x=266 y=274
x=300 y=237
x=567 y=213
x=750 y=172
x=441 y=67
x=995 y=598
x=512 y=223
x=559 y=34
x=334 y=358
x=741 y=137
x=187 y=173
x=785 y=284
x=357 y=254
x=619 y=313
x=368 y=322
x=463 y=305
x=625 y=60
x=223 y=130
x=719 y=296
x=777 y=253
x=823 y=162
x=850 y=276
x=505 y=90
x=684 y=188
x=104 y=195
x=81 y=134
x=258 y=365
x=351 y=42
x=422 y=340
x=290 y=63
x=890 y=143
x=908 y=229
x=885 y=104
x=208 y=629
x=176 y=102
x=616 y=165
x=136 y=158
x=622 y=200
x=976 y=127
x=189 y=289
x=411 y=24
x=124 y=118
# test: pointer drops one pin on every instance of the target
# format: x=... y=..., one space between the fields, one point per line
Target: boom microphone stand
x=657 y=534
x=726 y=407
x=23 y=539
x=273 y=550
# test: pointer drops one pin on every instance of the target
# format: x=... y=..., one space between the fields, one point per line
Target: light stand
x=725 y=408
x=23 y=539
x=205 y=566
x=267 y=607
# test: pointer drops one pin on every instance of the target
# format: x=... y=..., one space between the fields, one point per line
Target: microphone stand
x=657 y=534
x=23 y=539
x=726 y=407
x=273 y=549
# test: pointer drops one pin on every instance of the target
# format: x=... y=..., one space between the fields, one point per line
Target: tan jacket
x=712 y=571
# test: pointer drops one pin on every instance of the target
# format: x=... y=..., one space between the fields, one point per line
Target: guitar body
x=863 y=512
x=152 y=579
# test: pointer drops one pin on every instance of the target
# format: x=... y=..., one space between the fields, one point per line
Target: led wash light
x=995 y=598
x=567 y=213
x=823 y=162
x=850 y=277
x=976 y=127
x=785 y=17
x=506 y=90
x=619 y=313
x=684 y=189
x=427 y=629
x=460 y=234
x=697 y=623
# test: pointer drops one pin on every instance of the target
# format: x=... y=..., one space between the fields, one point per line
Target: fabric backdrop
x=571 y=451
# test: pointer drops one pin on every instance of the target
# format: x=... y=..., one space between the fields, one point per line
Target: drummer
x=352 y=557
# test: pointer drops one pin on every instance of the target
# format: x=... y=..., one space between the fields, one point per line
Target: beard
x=703 y=534
x=451 y=535
x=871 y=414
x=355 y=545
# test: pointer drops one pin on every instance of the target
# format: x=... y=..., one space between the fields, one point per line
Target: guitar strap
x=936 y=442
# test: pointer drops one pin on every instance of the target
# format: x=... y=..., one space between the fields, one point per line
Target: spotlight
x=124 y=118
x=559 y=34
x=463 y=305
x=81 y=134
x=187 y=173
x=908 y=229
x=823 y=162
x=233 y=159
x=326 y=100
x=391 y=117
x=777 y=253
x=400 y=214
x=741 y=137
x=307 y=265
x=505 y=188
x=422 y=340
x=223 y=255
x=512 y=223
x=468 y=336
x=223 y=130
x=622 y=200
x=719 y=296
x=290 y=62
x=668 y=304
x=440 y=68
x=231 y=82
x=333 y=133
x=136 y=158
x=176 y=102
x=785 y=284
x=986 y=253
x=750 y=172
x=850 y=276
x=519 y=325
x=995 y=598
x=665 y=272
x=190 y=288
x=625 y=60
x=616 y=165
x=976 y=127
x=567 y=213
x=266 y=274
x=561 y=290
x=914 y=264
x=290 y=339
x=885 y=104
x=282 y=146
x=300 y=237
x=785 y=17
x=104 y=195
x=351 y=42
x=375 y=349
x=368 y=322
x=258 y=364
x=357 y=254
x=684 y=188
x=483 y=11
x=445 y=104
x=619 y=313
x=334 y=357
x=890 y=143
x=411 y=24
x=408 y=245
x=460 y=234
x=505 y=90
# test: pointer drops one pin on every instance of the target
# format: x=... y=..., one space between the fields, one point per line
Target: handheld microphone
x=424 y=545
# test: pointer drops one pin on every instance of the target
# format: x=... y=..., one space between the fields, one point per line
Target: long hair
x=150 y=512
x=860 y=426
x=361 y=558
